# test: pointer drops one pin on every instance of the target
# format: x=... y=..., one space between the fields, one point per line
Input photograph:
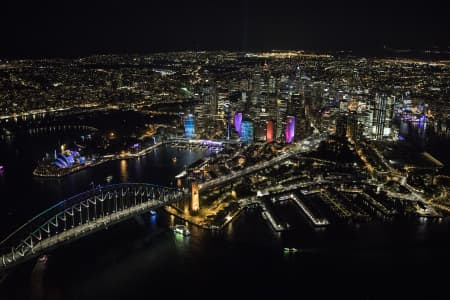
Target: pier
x=315 y=220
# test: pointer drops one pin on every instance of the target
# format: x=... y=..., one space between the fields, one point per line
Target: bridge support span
x=82 y=215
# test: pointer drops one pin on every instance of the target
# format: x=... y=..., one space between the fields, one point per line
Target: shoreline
x=191 y=219
x=95 y=164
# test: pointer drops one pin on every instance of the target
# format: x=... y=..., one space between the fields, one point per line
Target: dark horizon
x=46 y=30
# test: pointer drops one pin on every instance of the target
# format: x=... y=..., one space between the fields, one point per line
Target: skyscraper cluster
x=274 y=106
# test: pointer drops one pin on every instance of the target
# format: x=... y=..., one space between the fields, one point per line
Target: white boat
x=290 y=250
x=43 y=259
x=181 y=229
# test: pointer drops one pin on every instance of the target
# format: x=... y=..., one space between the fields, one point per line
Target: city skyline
x=244 y=149
x=296 y=153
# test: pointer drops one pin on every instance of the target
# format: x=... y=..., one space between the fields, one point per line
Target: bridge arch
x=81 y=215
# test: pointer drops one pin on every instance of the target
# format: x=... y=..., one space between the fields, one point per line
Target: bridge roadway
x=82 y=215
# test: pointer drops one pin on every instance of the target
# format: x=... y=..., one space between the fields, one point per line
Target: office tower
x=257 y=81
x=269 y=131
x=247 y=131
x=281 y=118
x=353 y=125
x=189 y=126
x=201 y=117
x=341 y=125
x=222 y=100
x=238 y=122
x=297 y=110
x=382 y=116
x=290 y=129
x=227 y=113
x=272 y=85
x=209 y=98
x=259 y=130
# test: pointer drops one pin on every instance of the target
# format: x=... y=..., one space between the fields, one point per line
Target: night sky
x=73 y=28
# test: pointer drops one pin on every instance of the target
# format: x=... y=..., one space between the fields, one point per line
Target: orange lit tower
x=195 y=200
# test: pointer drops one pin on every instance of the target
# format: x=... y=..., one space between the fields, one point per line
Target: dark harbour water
x=142 y=259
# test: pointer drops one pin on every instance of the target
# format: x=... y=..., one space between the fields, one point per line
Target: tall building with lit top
x=189 y=126
x=281 y=117
x=290 y=129
x=247 y=132
x=382 y=116
x=296 y=108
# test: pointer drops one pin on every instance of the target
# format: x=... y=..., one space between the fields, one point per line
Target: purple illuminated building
x=290 y=129
x=238 y=122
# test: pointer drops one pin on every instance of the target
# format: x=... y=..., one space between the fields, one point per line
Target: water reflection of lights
x=230 y=229
x=182 y=240
x=123 y=170
x=153 y=219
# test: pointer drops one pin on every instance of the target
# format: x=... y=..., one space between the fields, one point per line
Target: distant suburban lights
x=290 y=129
x=238 y=122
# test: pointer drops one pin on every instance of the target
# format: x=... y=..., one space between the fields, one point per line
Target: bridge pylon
x=195 y=198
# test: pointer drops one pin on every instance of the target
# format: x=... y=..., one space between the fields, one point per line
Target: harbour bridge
x=82 y=215
x=59 y=127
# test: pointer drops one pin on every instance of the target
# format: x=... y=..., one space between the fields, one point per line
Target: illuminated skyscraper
x=281 y=117
x=257 y=81
x=269 y=131
x=382 y=116
x=189 y=126
x=238 y=122
x=290 y=129
x=296 y=108
x=247 y=131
